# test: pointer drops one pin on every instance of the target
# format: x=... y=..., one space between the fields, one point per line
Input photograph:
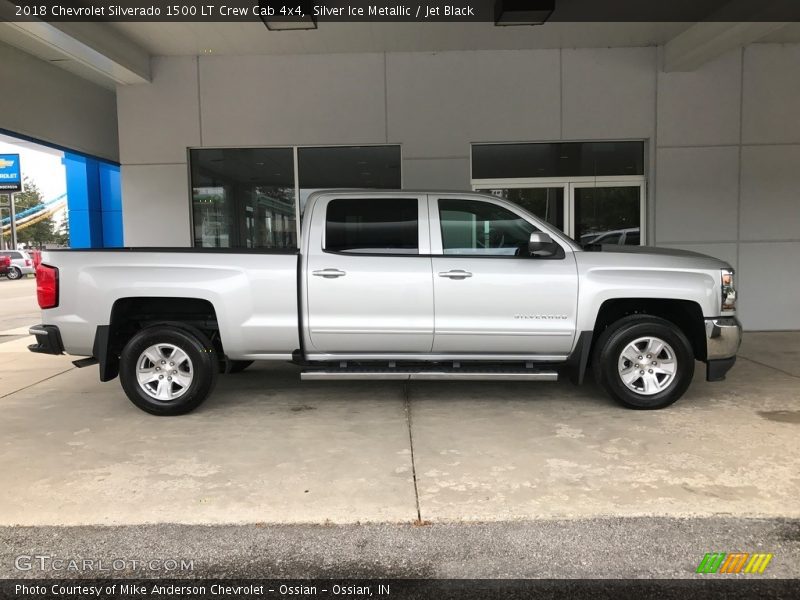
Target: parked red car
x=5 y=265
x=36 y=255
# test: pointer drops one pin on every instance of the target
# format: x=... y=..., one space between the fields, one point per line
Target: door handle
x=455 y=274
x=329 y=273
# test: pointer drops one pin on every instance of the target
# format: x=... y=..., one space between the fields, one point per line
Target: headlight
x=728 y=291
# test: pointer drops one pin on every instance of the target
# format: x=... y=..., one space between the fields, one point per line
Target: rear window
x=372 y=226
x=12 y=255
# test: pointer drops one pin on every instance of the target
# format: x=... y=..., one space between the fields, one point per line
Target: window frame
x=570 y=183
x=371 y=202
x=435 y=227
x=481 y=213
x=295 y=158
x=319 y=221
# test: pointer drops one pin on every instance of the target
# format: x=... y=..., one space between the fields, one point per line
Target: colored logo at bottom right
x=734 y=562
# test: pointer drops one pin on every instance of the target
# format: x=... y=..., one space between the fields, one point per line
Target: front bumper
x=723 y=338
x=48 y=340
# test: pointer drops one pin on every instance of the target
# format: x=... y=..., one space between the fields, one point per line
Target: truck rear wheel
x=168 y=371
x=644 y=362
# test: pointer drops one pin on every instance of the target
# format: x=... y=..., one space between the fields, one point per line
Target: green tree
x=61 y=234
x=39 y=233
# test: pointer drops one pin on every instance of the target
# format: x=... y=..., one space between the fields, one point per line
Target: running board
x=345 y=375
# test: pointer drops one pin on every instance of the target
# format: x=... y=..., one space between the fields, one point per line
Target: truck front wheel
x=167 y=371
x=644 y=362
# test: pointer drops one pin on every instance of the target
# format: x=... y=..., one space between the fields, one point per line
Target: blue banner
x=10 y=173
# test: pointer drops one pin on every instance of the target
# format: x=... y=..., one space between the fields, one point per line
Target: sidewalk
x=267 y=448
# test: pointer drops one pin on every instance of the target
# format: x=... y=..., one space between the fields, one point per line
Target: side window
x=372 y=226
x=475 y=227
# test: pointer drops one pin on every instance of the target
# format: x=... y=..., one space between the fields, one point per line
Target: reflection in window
x=373 y=225
x=243 y=198
x=560 y=159
x=606 y=215
x=475 y=227
x=350 y=167
x=545 y=203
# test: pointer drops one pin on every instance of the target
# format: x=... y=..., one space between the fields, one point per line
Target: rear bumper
x=48 y=340
x=723 y=338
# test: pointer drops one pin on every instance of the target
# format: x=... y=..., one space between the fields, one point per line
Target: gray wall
x=724 y=141
x=48 y=103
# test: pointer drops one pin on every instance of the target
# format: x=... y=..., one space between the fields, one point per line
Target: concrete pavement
x=18 y=311
x=268 y=448
x=18 y=305
x=425 y=479
x=557 y=451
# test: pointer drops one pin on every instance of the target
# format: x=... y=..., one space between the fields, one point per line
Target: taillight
x=47 y=286
x=27 y=262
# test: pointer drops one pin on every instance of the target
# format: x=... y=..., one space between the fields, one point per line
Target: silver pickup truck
x=394 y=285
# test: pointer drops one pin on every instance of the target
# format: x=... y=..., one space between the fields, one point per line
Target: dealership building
x=679 y=135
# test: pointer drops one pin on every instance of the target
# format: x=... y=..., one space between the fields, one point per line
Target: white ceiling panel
x=254 y=38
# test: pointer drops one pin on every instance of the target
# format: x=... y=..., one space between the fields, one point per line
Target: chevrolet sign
x=10 y=174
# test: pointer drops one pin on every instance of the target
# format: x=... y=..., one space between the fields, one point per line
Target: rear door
x=368 y=276
x=491 y=296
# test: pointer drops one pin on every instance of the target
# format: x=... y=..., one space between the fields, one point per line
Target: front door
x=369 y=286
x=490 y=297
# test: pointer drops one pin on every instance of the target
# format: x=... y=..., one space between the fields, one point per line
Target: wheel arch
x=132 y=314
x=687 y=315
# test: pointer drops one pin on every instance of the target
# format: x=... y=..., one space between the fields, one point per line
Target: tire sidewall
x=204 y=365
x=629 y=331
x=14 y=274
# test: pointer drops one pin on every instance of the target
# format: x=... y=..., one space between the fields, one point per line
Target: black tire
x=14 y=273
x=234 y=366
x=608 y=354
x=204 y=367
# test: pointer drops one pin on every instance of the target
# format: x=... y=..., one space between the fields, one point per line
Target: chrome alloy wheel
x=164 y=372
x=647 y=365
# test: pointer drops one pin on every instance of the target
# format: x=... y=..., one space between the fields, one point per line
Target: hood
x=660 y=256
x=650 y=250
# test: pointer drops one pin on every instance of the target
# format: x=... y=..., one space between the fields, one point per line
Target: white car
x=21 y=263
x=619 y=237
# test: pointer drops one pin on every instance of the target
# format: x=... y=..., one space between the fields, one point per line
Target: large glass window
x=607 y=215
x=353 y=167
x=560 y=159
x=593 y=191
x=243 y=198
x=373 y=226
x=475 y=227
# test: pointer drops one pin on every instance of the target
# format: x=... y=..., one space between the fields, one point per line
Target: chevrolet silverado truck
x=394 y=285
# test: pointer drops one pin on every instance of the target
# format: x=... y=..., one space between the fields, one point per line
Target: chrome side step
x=342 y=375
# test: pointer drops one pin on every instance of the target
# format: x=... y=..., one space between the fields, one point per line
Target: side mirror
x=540 y=242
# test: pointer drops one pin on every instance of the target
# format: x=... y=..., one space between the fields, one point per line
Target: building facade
x=719 y=146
